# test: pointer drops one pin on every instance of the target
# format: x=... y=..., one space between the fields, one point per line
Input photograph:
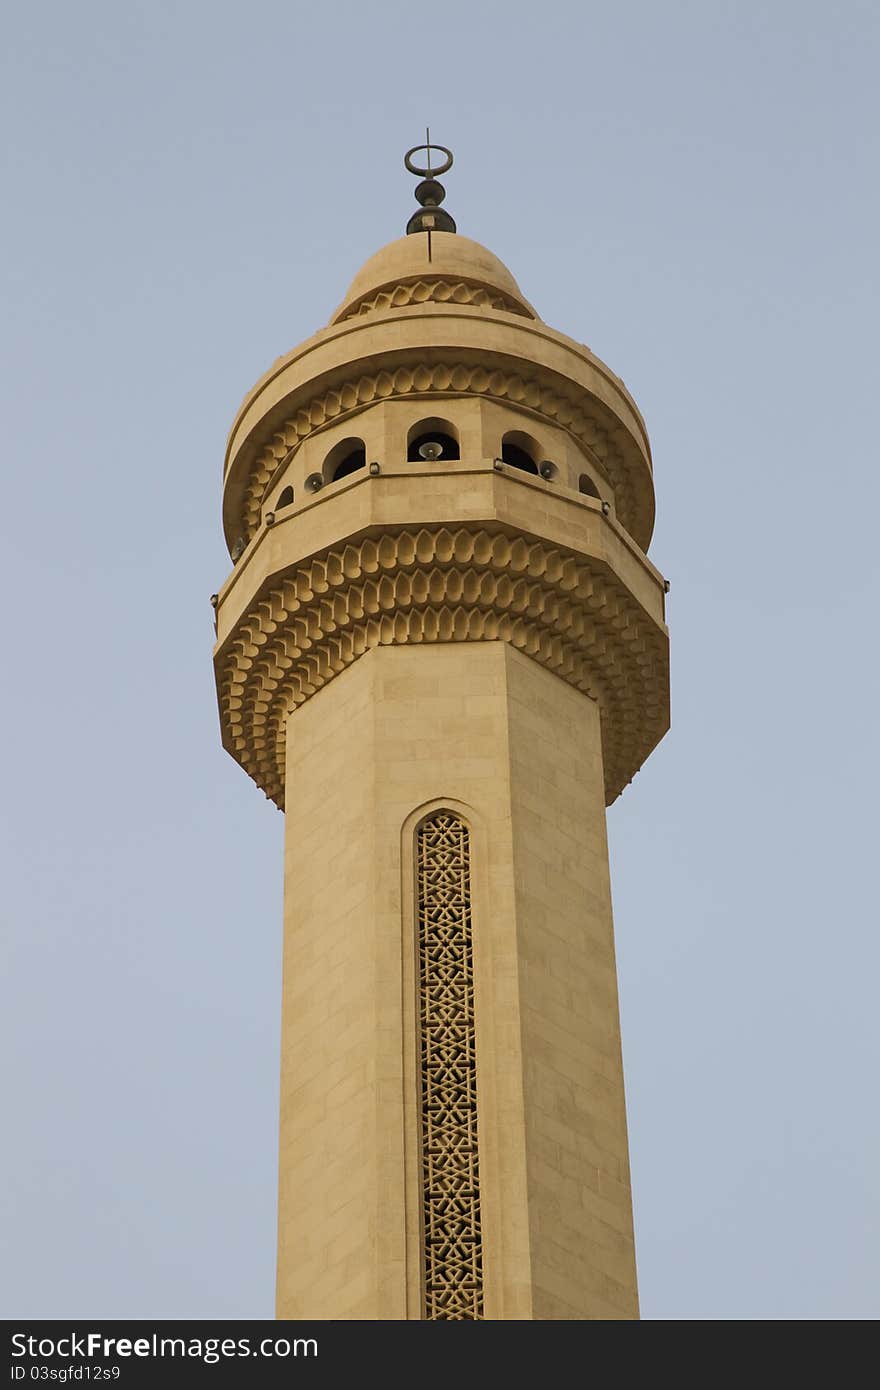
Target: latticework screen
x=450 y=1170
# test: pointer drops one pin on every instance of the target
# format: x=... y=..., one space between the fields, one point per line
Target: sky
x=691 y=189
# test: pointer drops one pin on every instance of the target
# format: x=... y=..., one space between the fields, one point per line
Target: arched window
x=453 y=1253
x=588 y=487
x=344 y=458
x=430 y=440
x=285 y=498
x=520 y=451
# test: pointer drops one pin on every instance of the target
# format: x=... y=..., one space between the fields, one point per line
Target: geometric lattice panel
x=450 y=1168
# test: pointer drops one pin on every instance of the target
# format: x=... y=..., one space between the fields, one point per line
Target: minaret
x=442 y=652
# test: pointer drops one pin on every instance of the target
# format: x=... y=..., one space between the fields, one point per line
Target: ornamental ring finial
x=428 y=173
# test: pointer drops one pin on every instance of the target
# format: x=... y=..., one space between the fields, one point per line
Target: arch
x=344 y=458
x=432 y=431
x=520 y=450
x=285 y=498
x=588 y=487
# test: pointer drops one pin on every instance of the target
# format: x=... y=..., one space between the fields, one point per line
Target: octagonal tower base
x=483 y=731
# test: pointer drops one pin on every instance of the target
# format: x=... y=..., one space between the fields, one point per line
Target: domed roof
x=460 y=270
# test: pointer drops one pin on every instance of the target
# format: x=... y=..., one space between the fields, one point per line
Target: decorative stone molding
x=577 y=413
x=567 y=611
x=438 y=291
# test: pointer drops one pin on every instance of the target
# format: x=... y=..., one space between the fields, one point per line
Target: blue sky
x=691 y=189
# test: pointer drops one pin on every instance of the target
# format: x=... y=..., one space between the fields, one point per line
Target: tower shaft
x=485 y=732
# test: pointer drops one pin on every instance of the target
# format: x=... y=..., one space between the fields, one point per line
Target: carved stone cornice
x=569 y=612
x=540 y=393
x=441 y=291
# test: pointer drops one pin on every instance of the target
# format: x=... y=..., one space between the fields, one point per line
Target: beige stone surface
x=453 y=258
x=458 y=635
x=436 y=350
x=588 y=606
x=580 y=1209
x=487 y=732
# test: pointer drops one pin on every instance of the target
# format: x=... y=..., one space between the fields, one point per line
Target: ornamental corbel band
x=567 y=611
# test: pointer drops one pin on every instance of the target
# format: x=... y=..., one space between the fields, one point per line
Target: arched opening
x=588 y=487
x=344 y=458
x=285 y=498
x=350 y=464
x=520 y=451
x=432 y=440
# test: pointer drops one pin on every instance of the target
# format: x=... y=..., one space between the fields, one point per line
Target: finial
x=430 y=193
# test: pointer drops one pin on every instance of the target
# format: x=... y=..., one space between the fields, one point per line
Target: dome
x=460 y=270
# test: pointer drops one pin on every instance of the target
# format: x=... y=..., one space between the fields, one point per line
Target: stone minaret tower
x=441 y=651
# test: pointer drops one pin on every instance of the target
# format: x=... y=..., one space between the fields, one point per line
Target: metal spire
x=429 y=193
